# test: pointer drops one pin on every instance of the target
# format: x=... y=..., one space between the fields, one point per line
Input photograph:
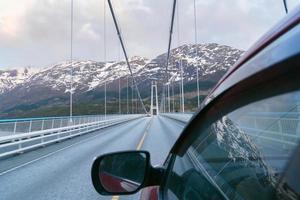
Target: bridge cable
x=196 y=46
x=170 y=40
x=127 y=105
x=168 y=58
x=180 y=63
x=104 y=51
x=125 y=54
x=285 y=6
x=119 y=60
x=71 y=60
x=169 y=51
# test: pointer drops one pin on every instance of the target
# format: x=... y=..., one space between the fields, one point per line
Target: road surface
x=62 y=170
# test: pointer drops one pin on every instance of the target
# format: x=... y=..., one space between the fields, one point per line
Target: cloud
x=8 y=28
x=37 y=32
x=236 y=23
x=87 y=31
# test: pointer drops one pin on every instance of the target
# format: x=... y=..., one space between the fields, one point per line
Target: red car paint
x=113 y=183
x=150 y=193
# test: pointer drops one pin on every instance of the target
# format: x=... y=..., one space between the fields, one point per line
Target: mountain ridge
x=50 y=86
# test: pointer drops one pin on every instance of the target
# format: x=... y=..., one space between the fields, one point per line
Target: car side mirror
x=123 y=172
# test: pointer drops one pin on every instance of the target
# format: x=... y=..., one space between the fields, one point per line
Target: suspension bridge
x=51 y=157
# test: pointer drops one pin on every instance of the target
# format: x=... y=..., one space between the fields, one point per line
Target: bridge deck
x=62 y=170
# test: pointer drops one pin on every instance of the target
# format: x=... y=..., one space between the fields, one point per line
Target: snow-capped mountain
x=51 y=85
x=209 y=58
x=238 y=154
x=87 y=75
x=9 y=79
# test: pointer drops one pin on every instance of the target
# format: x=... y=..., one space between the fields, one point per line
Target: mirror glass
x=123 y=172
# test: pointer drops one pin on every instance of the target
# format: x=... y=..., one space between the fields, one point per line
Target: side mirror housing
x=124 y=173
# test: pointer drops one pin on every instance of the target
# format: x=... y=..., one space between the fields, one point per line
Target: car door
x=243 y=143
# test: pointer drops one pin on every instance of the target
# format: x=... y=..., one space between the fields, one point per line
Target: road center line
x=139 y=146
x=115 y=198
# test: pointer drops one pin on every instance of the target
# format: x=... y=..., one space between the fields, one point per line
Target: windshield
x=243 y=154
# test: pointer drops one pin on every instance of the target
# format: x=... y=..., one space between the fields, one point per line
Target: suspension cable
x=104 y=51
x=167 y=62
x=177 y=23
x=170 y=39
x=285 y=6
x=71 y=60
x=196 y=46
x=119 y=60
x=180 y=63
x=125 y=55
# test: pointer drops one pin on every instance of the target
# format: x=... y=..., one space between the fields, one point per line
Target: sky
x=37 y=32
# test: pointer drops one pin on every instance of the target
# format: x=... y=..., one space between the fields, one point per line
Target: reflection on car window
x=241 y=155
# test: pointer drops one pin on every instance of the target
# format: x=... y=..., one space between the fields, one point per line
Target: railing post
x=60 y=124
x=42 y=139
x=86 y=122
x=52 y=126
x=42 y=128
x=58 y=135
x=15 y=127
x=30 y=125
x=280 y=127
x=20 y=146
x=281 y=132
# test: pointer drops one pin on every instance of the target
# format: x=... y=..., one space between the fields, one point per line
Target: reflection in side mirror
x=120 y=173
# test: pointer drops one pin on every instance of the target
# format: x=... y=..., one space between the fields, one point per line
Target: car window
x=241 y=155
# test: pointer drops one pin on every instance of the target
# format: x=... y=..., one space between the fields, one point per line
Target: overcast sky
x=37 y=32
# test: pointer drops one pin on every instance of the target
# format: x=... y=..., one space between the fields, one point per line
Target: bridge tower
x=154 y=107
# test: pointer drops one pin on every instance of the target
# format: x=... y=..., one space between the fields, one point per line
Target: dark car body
x=271 y=67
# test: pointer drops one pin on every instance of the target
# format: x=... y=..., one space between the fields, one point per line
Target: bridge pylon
x=154 y=108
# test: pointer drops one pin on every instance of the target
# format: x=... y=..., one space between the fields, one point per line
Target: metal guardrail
x=278 y=127
x=282 y=128
x=19 y=143
x=28 y=125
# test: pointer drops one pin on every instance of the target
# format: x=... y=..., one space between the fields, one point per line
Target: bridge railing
x=28 y=125
x=273 y=128
x=19 y=142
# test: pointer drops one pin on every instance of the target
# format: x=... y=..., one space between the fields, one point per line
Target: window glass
x=242 y=154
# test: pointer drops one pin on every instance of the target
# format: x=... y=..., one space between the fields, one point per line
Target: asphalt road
x=62 y=170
